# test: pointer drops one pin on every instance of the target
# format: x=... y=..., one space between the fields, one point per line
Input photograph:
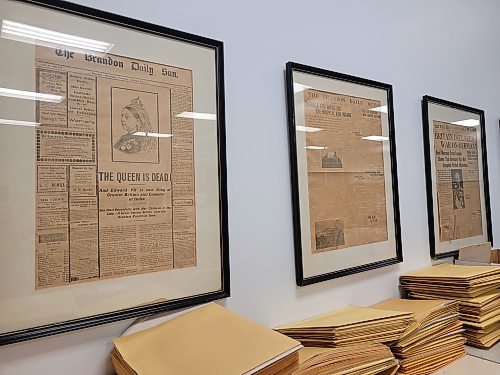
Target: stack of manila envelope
x=349 y=326
x=365 y=359
x=433 y=341
x=206 y=340
x=475 y=287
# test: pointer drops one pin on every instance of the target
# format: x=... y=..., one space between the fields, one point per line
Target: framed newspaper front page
x=458 y=199
x=343 y=174
x=113 y=198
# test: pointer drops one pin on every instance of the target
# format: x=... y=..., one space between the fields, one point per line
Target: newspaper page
x=457 y=181
x=347 y=199
x=114 y=168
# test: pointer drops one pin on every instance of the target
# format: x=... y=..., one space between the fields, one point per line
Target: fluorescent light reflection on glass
x=19 y=94
x=468 y=122
x=198 y=115
x=382 y=109
x=18 y=122
x=37 y=35
x=315 y=147
x=307 y=129
x=298 y=87
x=157 y=135
x=377 y=138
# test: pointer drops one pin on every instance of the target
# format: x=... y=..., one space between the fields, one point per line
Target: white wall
x=444 y=48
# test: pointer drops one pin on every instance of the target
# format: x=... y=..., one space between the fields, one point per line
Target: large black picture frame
x=300 y=210
x=435 y=109
x=220 y=233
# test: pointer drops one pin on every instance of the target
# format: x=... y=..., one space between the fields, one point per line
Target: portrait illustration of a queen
x=135 y=121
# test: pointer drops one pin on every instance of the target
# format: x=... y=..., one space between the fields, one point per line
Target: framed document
x=113 y=199
x=458 y=200
x=343 y=174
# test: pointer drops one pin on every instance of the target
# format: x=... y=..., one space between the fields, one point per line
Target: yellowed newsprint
x=457 y=181
x=114 y=168
x=347 y=199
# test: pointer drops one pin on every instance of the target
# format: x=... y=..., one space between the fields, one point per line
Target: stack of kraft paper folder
x=207 y=340
x=475 y=287
x=349 y=326
x=213 y=340
x=396 y=336
x=349 y=341
x=361 y=359
x=433 y=341
x=412 y=337
x=423 y=336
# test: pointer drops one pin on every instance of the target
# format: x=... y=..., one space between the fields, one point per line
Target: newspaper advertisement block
x=457 y=181
x=347 y=197
x=114 y=168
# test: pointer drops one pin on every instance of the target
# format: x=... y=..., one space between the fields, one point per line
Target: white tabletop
x=493 y=354
x=470 y=365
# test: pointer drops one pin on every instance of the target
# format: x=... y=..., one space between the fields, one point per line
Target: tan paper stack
x=475 y=287
x=207 y=340
x=481 y=318
x=366 y=359
x=349 y=326
x=433 y=341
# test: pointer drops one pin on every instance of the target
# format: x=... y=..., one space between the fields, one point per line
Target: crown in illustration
x=135 y=104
